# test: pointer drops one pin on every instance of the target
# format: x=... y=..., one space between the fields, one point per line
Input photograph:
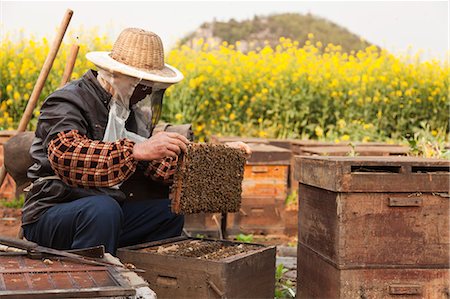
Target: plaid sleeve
x=162 y=170
x=82 y=162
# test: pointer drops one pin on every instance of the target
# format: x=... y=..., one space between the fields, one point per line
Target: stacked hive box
x=201 y=272
x=373 y=227
x=264 y=191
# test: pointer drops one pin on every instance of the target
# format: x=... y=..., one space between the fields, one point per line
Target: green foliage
x=268 y=29
x=283 y=287
x=292 y=198
x=428 y=143
x=15 y=203
x=244 y=238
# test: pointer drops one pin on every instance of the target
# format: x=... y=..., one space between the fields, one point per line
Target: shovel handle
x=17 y=243
x=69 y=64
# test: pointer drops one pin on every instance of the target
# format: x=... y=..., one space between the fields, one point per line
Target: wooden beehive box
x=372 y=215
x=264 y=191
x=249 y=274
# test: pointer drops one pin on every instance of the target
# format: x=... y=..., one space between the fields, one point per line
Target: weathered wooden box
x=320 y=278
x=366 y=213
x=249 y=274
x=264 y=191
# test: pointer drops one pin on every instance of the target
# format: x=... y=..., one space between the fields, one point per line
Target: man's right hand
x=160 y=146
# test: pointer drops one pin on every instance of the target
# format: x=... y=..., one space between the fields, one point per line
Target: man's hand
x=160 y=146
x=240 y=145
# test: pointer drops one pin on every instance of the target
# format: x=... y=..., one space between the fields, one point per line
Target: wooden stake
x=69 y=65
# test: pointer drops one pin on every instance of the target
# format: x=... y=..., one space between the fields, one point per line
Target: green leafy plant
x=15 y=203
x=427 y=143
x=292 y=198
x=283 y=287
x=244 y=238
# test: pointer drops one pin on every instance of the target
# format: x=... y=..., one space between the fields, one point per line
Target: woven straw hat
x=137 y=53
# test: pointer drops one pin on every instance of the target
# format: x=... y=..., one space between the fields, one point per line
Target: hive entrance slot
x=378 y=169
x=427 y=169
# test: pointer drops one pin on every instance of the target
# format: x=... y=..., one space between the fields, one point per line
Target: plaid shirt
x=82 y=162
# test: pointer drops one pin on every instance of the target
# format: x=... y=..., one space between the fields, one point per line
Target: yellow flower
x=228 y=106
x=9 y=88
x=319 y=131
x=434 y=133
x=178 y=116
x=9 y=102
x=262 y=134
x=310 y=35
x=37 y=113
x=345 y=137
x=232 y=116
x=16 y=96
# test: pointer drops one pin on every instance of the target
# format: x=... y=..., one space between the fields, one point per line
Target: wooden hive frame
x=209 y=179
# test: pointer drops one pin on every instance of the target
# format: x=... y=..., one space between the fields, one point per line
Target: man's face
x=139 y=93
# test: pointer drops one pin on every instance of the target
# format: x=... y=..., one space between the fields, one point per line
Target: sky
x=394 y=25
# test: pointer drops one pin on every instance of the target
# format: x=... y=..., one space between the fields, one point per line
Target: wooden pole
x=69 y=65
x=44 y=72
x=41 y=80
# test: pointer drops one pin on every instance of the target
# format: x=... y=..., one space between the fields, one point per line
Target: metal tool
x=35 y=250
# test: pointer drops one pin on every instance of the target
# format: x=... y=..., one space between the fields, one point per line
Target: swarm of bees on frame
x=208 y=179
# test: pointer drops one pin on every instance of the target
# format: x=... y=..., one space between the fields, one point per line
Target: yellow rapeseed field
x=314 y=91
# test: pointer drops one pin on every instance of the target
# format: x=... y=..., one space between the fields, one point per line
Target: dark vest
x=81 y=105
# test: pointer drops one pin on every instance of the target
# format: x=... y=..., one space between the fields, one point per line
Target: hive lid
x=362 y=149
x=269 y=154
x=223 y=139
x=373 y=174
x=21 y=277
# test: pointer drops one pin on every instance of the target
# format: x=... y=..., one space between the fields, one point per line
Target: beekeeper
x=100 y=177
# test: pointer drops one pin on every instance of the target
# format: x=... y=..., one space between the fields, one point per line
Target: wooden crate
x=319 y=278
x=263 y=215
x=246 y=275
x=365 y=213
x=265 y=181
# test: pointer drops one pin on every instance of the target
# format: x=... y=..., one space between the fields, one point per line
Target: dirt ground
x=9 y=222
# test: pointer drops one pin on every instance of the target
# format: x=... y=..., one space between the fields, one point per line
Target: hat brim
x=168 y=74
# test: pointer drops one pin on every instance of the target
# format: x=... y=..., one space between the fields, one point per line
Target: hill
x=254 y=33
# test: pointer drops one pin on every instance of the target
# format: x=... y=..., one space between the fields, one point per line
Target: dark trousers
x=100 y=220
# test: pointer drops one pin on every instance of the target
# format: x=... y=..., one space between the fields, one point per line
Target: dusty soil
x=10 y=222
x=202 y=249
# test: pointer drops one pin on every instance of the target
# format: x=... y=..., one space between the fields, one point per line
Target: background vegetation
x=301 y=88
x=263 y=30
